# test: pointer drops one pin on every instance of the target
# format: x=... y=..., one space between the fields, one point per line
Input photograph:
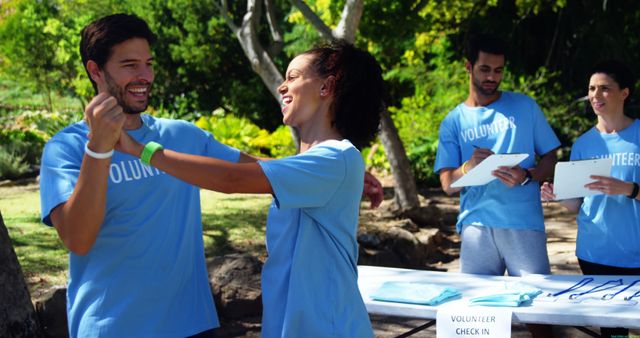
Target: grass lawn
x=231 y=223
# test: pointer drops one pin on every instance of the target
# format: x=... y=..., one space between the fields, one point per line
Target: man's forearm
x=545 y=167
x=78 y=221
x=450 y=175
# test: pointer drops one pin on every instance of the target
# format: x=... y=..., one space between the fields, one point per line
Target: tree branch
x=260 y=60
x=276 y=34
x=314 y=19
x=223 y=8
x=350 y=20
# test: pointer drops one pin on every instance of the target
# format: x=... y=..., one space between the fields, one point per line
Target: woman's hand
x=126 y=144
x=610 y=186
x=546 y=192
x=373 y=190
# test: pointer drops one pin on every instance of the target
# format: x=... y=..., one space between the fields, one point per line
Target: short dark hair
x=619 y=72
x=101 y=35
x=484 y=43
x=359 y=91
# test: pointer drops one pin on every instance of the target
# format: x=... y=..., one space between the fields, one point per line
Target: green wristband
x=148 y=151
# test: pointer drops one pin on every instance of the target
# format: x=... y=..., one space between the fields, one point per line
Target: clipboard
x=481 y=174
x=570 y=177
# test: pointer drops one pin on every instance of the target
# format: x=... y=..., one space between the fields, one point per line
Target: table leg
x=417 y=329
x=587 y=331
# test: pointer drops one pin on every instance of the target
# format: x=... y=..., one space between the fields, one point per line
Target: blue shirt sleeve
x=221 y=151
x=309 y=179
x=59 y=171
x=545 y=139
x=448 y=154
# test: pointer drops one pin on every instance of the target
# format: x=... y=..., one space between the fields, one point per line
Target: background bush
x=200 y=66
x=22 y=139
x=242 y=134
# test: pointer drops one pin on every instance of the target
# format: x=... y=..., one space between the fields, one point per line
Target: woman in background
x=608 y=241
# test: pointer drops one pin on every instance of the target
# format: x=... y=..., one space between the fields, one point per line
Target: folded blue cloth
x=510 y=294
x=414 y=293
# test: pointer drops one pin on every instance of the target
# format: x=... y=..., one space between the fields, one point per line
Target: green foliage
x=419 y=44
x=12 y=165
x=558 y=105
x=440 y=84
x=279 y=142
x=27 y=143
x=375 y=157
x=38 y=47
x=422 y=154
x=200 y=65
x=240 y=133
x=15 y=96
x=23 y=136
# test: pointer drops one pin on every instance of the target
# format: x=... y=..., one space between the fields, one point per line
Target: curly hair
x=359 y=90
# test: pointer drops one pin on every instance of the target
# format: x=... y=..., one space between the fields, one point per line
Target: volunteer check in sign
x=456 y=322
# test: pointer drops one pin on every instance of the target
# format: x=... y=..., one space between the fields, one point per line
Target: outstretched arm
x=205 y=172
x=372 y=186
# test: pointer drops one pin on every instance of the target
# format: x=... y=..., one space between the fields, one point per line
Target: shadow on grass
x=37 y=246
x=237 y=231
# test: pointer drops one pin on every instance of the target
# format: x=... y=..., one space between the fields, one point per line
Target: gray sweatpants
x=491 y=251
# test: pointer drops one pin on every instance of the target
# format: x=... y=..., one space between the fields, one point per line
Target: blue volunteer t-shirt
x=609 y=225
x=145 y=276
x=512 y=124
x=309 y=281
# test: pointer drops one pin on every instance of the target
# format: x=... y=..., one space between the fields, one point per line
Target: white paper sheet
x=481 y=174
x=570 y=177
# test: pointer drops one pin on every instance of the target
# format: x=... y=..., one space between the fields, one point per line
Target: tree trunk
x=406 y=193
x=17 y=315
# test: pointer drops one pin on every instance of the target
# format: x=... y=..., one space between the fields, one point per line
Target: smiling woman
x=608 y=241
x=333 y=96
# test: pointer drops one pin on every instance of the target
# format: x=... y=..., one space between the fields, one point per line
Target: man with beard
x=136 y=261
x=501 y=223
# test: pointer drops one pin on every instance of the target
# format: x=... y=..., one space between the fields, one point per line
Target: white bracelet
x=99 y=156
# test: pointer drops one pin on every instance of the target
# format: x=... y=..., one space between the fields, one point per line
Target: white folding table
x=579 y=310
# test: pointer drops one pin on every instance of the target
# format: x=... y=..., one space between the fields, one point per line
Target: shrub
x=12 y=166
x=27 y=143
x=23 y=136
x=240 y=133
